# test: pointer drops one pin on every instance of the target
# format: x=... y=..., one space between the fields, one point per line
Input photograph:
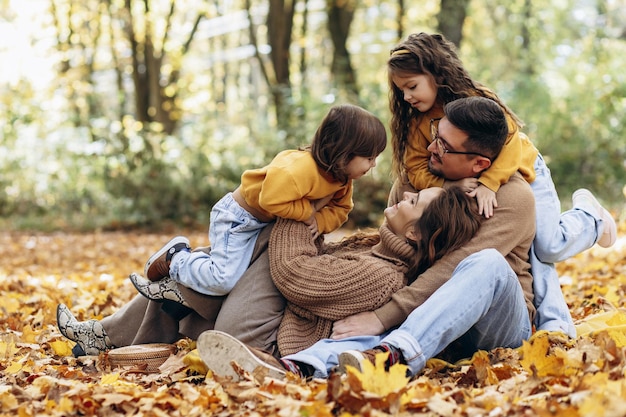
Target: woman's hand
x=361 y=324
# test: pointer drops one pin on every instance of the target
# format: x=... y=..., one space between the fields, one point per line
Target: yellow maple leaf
x=15 y=367
x=484 y=371
x=537 y=360
x=8 y=401
x=65 y=405
x=8 y=349
x=62 y=347
x=376 y=380
x=11 y=302
x=616 y=319
x=110 y=379
x=28 y=334
x=195 y=363
x=614 y=322
x=619 y=337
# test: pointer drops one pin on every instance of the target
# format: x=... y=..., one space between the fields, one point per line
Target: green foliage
x=560 y=68
x=73 y=154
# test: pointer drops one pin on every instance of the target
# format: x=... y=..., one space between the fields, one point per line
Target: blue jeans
x=233 y=232
x=482 y=304
x=559 y=236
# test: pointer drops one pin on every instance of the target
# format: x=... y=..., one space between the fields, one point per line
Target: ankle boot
x=158 y=266
x=163 y=289
x=90 y=336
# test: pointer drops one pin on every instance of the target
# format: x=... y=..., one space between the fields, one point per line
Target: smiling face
x=450 y=165
x=359 y=166
x=402 y=216
x=419 y=90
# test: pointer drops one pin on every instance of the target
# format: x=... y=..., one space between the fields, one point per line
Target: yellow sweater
x=518 y=154
x=287 y=186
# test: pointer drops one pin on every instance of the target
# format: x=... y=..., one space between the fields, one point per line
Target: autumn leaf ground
x=548 y=376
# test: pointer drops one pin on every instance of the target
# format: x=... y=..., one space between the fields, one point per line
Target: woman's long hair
x=448 y=223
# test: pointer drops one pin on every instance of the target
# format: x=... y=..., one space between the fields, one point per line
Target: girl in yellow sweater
x=312 y=185
x=425 y=74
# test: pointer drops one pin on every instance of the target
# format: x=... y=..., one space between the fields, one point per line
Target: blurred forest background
x=142 y=113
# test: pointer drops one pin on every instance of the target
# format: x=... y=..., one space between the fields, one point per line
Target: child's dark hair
x=423 y=53
x=484 y=122
x=449 y=222
x=346 y=131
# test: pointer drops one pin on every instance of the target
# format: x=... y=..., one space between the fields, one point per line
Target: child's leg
x=552 y=311
x=559 y=235
x=233 y=233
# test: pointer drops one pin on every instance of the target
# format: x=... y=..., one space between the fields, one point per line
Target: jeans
x=232 y=233
x=559 y=236
x=482 y=304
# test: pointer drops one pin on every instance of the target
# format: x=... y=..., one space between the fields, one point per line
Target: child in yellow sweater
x=311 y=185
x=425 y=74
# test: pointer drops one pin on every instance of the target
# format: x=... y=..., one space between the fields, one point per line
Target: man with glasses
x=441 y=147
x=477 y=297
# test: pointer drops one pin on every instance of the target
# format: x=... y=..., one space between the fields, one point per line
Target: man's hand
x=361 y=324
x=486 y=200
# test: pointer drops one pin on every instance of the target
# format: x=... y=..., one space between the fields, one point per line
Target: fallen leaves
x=373 y=388
x=549 y=375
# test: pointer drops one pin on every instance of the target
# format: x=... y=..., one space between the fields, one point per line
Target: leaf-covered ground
x=548 y=376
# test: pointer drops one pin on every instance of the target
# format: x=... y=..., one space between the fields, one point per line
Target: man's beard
x=434 y=170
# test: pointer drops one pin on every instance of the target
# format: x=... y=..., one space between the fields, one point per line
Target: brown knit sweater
x=324 y=284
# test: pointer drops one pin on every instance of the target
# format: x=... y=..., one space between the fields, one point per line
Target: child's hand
x=466 y=184
x=312 y=224
x=486 y=200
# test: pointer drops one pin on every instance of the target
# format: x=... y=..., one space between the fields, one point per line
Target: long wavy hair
x=448 y=223
x=434 y=55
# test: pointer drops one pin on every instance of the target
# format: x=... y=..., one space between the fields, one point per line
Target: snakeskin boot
x=90 y=336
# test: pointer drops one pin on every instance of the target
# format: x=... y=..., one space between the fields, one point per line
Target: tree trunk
x=279 y=28
x=527 y=61
x=340 y=16
x=450 y=19
x=401 y=10
x=155 y=100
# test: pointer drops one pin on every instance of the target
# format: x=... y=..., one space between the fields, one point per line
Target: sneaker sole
x=218 y=349
x=160 y=252
x=609 y=236
x=352 y=358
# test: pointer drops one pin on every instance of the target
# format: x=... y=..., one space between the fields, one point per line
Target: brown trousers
x=251 y=311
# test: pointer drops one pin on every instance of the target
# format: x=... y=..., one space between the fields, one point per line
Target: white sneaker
x=583 y=198
x=218 y=350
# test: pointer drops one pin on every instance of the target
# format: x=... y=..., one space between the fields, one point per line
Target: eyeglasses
x=441 y=146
